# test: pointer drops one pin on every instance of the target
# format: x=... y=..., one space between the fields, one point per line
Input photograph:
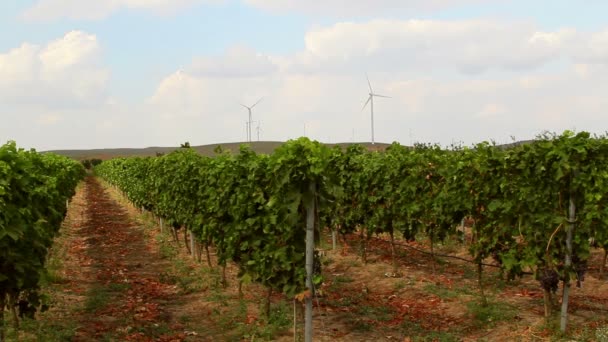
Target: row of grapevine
x=250 y=207
x=34 y=190
x=535 y=206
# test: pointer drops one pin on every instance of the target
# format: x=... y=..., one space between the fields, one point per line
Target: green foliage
x=34 y=190
x=252 y=207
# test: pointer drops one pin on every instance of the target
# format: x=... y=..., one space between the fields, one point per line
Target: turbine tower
x=370 y=100
x=249 y=122
x=258 y=129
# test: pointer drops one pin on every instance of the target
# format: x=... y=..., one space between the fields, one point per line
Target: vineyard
x=34 y=193
x=536 y=208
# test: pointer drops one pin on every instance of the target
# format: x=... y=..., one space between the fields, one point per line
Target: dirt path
x=115 y=274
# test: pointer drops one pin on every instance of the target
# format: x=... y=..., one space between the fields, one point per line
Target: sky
x=136 y=73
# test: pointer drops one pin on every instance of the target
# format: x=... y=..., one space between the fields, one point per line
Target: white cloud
x=237 y=61
x=470 y=46
x=492 y=109
x=357 y=7
x=94 y=10
x=18 y=66
x=48 y=119
x=65 y=72
x=75 y=48
x=594 y=49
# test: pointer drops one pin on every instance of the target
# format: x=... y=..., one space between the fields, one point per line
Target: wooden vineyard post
x=310 y=250
x=602 y=266
x=568 y=263
x=160 y=222
x=333 y=239
x=192 y=246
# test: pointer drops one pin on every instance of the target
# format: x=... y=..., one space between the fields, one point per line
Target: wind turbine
x=249 y=122
x=370 y=100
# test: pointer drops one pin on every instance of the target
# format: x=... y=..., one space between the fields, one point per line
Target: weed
x=219 y=296
x=450 y=245
x=601 y=334
x=167 y=249
x=34 y=330
x=184 y=319
x=353 y=263
x=117 y=287
x=418 y=333
x=446 y=293
x=154 y=330
x=440 y=291
x=354 y=299
x=279 y=320
x=341 y=279
x=376 y=313
x=358 y=323
x=97 y=298
x=488 y=315
x=401 y=284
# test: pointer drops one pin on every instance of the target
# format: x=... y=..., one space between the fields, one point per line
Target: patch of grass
x=34 y=330
x=188 y=279
x=97 y=298
x=488 y=315
x=440 y=291
x=376 y=313
x=343 y=279
x=279 y=320
x=51 y=275
x=218 y=296
x=326 y=261
x=229 y=318
x=469 y=272
x=417 y=333
x=595 y=329
x=154 y=330
x=167 y=278
x=184 y=318
x=353 y=263
x=167 y=249
x=350 y=300
x=451 y=244
x=357 y=323
x=118 y=287
x=401 y=284
x=601 y=334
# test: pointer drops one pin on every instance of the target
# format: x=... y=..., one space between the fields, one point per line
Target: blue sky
x=158 y=72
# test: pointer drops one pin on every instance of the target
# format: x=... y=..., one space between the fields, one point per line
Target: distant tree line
x=90 y=163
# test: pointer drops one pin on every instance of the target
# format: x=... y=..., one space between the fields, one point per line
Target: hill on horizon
x=265 y=147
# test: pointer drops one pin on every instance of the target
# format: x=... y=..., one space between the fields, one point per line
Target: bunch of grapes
x=548 y=279
x=580 y=267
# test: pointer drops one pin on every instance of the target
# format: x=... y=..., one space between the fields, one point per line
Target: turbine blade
x=366 y=102
x=244 y=105
x=257 y=102
x=378 y=95
x=369 y=83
